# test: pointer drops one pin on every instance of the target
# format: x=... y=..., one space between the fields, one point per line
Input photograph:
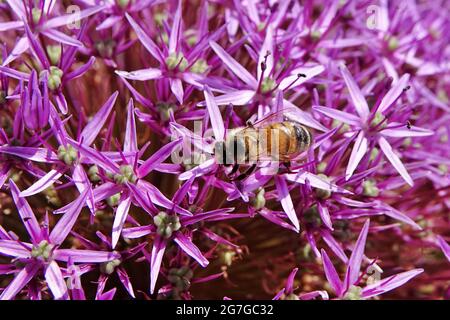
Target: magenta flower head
x=179 y=150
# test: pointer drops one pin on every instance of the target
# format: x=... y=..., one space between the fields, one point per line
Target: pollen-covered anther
x=126 y=175
x=166 y=224
x=67 y=154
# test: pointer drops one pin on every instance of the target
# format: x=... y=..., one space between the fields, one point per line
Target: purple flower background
x=110 y=113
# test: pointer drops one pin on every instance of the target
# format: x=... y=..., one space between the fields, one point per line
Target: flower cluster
x=113 y=114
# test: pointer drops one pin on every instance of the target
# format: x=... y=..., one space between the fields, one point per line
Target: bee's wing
x=277 y=116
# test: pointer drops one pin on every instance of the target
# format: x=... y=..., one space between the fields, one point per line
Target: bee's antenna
x=299 y=75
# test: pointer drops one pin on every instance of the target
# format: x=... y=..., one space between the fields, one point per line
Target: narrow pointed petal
x=294 y=80
x=119 y=220
x=389 y=283
x=84 y=256
x=354 y=264
x=174 y=38
x=159 y=246
x=65 y=224
x=286 y=201
x=295 y=114
x=64 y=19
x=141 y=75
x=13 y=248
x=358 y=152
x=412 y=131
x=176 y=85
x=20 y=280
x=21 y=46
x=94 y=126
x=234 y=66
x=33 y=154
x=290 y=281
x=62 y=38
x=157 y=158
x=26 y=214
x=10 y=25
x=145 y=39
x=445 y=247
x=56 y=282
x=123 y=277
x=395 y=160
x=46 y=181
x=214 y=115
x=342 y=116
x=392 y=95
x=82 y=183
x=191 y=249
x=325 y=216
x=130 y=141
x=331 y=273
x=109 y=22
x=359 y=102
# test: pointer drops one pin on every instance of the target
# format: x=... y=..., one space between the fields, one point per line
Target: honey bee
x=266 y=140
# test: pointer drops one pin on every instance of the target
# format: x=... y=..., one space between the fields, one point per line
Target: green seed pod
x=353 y=293
x=122 y=3
x=126 y=175
x=93 y=174
x=113 y=200
x=176 y=60
x=268 y=84
x=36 y=15
x=67 y=154
x=200 y=66
x=54 y=53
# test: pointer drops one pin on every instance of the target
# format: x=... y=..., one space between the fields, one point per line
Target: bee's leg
x=287 y=165
x=234 y=170
x=247 y=172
